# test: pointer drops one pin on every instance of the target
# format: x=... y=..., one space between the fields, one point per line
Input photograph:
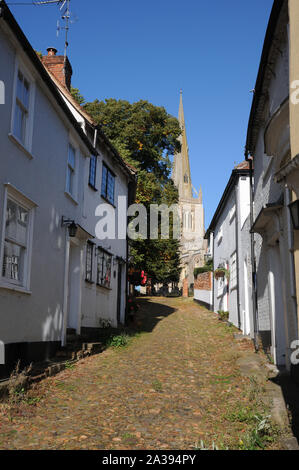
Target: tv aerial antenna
x=68 y=18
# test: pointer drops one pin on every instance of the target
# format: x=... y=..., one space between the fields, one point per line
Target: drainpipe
x=290 y=240
x=213 y=282
x=2 y=353
x=237 y=255
x=253 y=263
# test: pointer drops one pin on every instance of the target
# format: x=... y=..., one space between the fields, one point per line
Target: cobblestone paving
x=170 y=388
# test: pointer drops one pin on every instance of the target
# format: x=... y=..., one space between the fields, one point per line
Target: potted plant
x=221 y=271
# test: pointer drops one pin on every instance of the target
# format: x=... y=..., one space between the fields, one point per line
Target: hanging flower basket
x=221 y=272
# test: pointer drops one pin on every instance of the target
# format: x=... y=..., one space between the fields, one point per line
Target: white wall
x=205 y=296
x=100 y=302
x=37 y=316
x=276 y=312
x=231 y=220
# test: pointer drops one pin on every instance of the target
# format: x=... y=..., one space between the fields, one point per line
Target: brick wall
x=55 y=64
x=204 y=281
x=185 y=288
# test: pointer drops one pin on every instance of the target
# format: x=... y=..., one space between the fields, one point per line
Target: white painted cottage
x=110 y=183
x=56 y=168
x=268 y=142
x=229 y=246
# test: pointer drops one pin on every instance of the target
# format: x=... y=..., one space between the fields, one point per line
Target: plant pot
x=219 y=274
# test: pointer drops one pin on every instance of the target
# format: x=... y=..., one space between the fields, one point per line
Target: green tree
x=146 y=136
x=77 y=95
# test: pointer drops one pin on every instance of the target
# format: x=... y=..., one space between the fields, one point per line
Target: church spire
x=181 y=111
x=181 y=167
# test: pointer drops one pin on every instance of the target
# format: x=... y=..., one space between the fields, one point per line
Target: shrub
x=18 y=383
x=208 y=267
x=224 y=316
x=119 y=341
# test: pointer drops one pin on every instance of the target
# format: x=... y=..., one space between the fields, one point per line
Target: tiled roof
x=86 y=116
x=242 y=166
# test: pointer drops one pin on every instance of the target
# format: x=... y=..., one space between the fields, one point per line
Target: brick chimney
x=55 y=64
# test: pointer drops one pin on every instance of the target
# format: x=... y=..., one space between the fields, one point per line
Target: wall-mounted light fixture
x=294 y=210
x=72 y=226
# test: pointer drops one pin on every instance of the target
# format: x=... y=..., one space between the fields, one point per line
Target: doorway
x=119 y=291
x=74 y=287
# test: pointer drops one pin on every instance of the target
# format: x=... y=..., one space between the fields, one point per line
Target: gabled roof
x=66 y=93
x=264 y=74
x=55 y=88
x=243 y=166
x=243 y=169
x=8 y=18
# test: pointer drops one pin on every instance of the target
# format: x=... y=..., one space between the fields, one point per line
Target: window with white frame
x=71 y=167
x=16 y=251
x=233 y=271
x=89 y=261
x=104 y=264
x=21 y=109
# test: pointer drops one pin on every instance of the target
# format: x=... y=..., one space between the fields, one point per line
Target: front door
x=277 y=307
x=74 y=287
x=119 y=292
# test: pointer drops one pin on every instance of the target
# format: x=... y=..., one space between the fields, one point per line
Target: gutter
x=213 y=301
x=237 y=256
x=258 y=90
x=253 y=262
x=234 y=175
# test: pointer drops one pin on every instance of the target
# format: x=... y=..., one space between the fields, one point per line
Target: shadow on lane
x=290 y=392
x=150 y=314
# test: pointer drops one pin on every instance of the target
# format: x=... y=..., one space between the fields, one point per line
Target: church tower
x=192 y=243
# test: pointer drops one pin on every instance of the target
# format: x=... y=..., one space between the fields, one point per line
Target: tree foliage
x=146 y=136
x=77 y=95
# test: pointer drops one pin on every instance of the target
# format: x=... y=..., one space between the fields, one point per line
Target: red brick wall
x=204 y=281
x=185 y=288
x=55 y=64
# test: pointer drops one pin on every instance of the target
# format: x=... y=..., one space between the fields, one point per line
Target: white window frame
x=103 y=255
x=89 y=273
x=74 y=194
x=11 y=193
x=27 y=144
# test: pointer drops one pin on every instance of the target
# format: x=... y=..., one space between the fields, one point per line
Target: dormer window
x=186 y=179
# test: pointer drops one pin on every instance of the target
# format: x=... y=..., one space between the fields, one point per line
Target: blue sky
x=149 y=50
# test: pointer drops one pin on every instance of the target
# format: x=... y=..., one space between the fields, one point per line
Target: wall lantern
x=294 y=209
x=72 y=226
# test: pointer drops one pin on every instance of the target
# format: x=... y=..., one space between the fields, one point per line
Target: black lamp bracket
x=66 y=222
